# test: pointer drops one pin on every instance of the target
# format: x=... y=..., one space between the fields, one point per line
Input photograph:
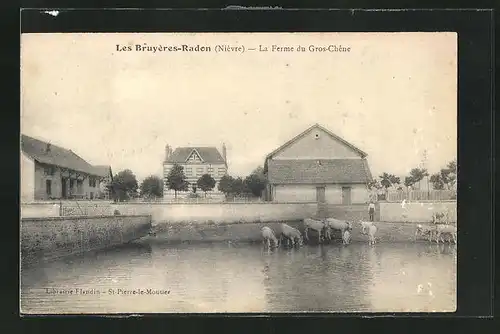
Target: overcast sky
x=393 y=96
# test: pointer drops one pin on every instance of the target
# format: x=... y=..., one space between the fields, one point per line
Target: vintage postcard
x=238 y=172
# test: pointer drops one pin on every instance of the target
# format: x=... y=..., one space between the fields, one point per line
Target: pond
x=226 y=277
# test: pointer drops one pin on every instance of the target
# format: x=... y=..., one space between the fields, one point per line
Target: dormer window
x=194 y=157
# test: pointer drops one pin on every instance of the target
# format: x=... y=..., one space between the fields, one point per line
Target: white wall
x=27 y=178
x=359 y=194
x=324 y=147
x=37 y=210
x=307 y=193
x=219 y=212
x=294 y=193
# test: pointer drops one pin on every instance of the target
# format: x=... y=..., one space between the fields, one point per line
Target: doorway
x=346 y=195
x=64 y=188
x=320 y=194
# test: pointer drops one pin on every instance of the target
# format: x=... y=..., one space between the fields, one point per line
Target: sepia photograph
x=238 y=173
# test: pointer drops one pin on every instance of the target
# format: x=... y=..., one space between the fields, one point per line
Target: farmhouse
x=317 y=165
x=52 y=172
x=195 y=161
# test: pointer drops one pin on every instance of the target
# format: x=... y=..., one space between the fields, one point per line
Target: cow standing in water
x=425 y=230
x=365 y=227
x=372 y=229
x=336 y=224
x=316 y=225
x=291 y=234
x=268 y=236
x=446 y=229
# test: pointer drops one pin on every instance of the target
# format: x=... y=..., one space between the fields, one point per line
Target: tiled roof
x=312 y=172
x=58 y=156
x=209 y=155
x=103 y=170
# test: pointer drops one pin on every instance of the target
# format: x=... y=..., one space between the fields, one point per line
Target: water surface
x=245 y=278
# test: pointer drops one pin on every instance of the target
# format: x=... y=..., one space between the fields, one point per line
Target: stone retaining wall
x=47 y=238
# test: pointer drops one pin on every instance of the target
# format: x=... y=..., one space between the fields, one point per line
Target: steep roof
x=318 y=171
x=58 y=156
x=208 y=155
x=103 y=170
x=316 y=126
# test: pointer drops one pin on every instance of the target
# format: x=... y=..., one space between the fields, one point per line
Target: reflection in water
x=246 y=278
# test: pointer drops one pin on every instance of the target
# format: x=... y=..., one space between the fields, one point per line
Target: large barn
x=317 y=166
x=53 y=172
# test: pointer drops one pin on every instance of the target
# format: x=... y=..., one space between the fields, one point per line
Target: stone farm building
x=196 y=161
x=52 y=172
x=317 y=165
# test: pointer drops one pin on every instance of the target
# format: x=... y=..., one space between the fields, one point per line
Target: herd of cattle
x=324 y=229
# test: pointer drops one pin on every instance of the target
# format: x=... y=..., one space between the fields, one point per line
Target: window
x=189 y=171
x=49 y=171
x=48 y=187
x=93 y=182
x=199 y=170
x=194 y=157
x=222 y=171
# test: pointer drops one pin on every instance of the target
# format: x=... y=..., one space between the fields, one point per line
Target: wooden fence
x=421 y=195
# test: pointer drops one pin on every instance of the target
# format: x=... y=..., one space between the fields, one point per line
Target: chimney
x=168 y=152
x=224 y=153
x=47 y=149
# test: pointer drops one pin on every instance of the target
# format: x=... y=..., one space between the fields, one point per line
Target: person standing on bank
x=371 y=210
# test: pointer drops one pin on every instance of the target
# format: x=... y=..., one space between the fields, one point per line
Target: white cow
x=336 y=224
x=365 y=226
x=291 y=234
x=372 y=229
x=268 y=236
x=446 y=229
x=316 y=225
x=423 y=230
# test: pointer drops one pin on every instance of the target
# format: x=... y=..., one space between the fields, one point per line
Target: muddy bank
x=250 y=232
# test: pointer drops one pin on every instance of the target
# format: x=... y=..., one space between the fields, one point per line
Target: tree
x=124 y=185
x=238 y=186
x=449 y=174
x=437 y=181
x=409 y=181
x=176 y=180
x=256 y=182
x=418 y=174
x=226 y=185
x=152 y=187
x=388 y=180
x=374 y=184
x=206 y=183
